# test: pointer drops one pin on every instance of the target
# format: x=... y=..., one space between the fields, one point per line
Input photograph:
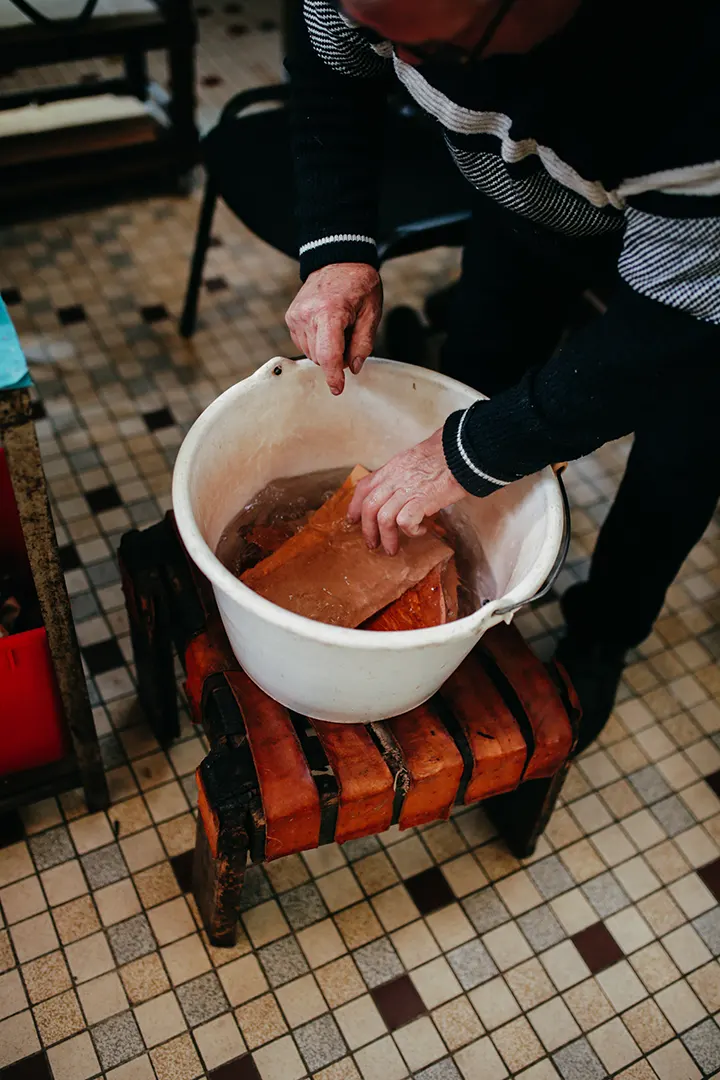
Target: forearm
x=337 y=136
x=597 y=388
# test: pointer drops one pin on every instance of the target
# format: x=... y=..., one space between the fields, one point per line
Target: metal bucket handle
x=561 y=555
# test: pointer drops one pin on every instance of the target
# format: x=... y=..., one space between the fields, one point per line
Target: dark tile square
x=714 y=781
x=67 y=316
x=202 y=999
x=243 y=1068
x=398 y=1002
x=216 y=284
x=51 y=848
x=30 y=1068
x=69 y=558
x=215 y=241
x=237 y=30
x=203 y=11
x=267 y=25
x=11 y=296
x=183 y=869
x=38 y=410
x=211 y=80
x=159 y=418
x=430 y=890
x=598 y=947
x=303 y=906
x=232 y=9
x=131 y=939
x=710 y=874
x=104 y=498
x=154 y=313
x=103 y=656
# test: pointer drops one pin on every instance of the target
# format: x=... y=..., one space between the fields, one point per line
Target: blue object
x=14 y=373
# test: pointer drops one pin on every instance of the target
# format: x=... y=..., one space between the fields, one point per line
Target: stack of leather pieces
x=326 y=572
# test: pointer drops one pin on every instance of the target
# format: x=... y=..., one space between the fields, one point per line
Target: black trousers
x=518 y=286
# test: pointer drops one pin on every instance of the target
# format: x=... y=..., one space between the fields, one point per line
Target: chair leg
x=521 y=816
x=202 y=242
x=217 y=885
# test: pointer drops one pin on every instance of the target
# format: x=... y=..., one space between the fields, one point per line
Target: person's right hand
x=334 y=317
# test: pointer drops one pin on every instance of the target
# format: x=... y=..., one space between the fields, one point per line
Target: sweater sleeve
x=338 y=87
x=598 y=387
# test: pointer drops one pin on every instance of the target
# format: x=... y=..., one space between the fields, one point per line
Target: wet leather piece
x=326 y=571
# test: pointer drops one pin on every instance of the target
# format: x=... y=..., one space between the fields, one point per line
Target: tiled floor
x=434 y=955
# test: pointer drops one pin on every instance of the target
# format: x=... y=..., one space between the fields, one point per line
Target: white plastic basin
x=282 y=421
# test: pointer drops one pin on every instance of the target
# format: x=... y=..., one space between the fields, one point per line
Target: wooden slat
x=497 y=744
x=207 y=654
x=538 y=696
x=289 y=794
x=433 y=762
x=207 y=816
x=365 y=782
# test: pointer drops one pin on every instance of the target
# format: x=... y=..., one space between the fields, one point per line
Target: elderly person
x=590 y=133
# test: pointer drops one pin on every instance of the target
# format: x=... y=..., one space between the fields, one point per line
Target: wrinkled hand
x=412 y=486
x=334 y=317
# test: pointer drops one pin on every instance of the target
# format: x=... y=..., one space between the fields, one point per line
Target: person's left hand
x=412 y=486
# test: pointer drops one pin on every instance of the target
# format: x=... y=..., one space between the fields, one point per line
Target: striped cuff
x=458 y=456
x=338 y=248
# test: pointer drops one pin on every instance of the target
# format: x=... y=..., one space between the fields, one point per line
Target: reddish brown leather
x=539 y=698
x=496 y=742
x=433 y=762
x=365 y=782
x=207 y=654
x=289 y=794
x=432 y=602
x=208 y=817
x=326 y=571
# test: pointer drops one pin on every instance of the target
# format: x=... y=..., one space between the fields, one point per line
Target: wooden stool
x=276 y=783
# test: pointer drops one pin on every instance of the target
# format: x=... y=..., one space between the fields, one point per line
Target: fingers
x=362 y=489
x=362 y=338
x=329 y=352
x=387 y=522
x=372 y=504
x=410 y=518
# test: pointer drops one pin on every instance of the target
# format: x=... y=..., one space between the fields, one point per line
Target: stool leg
x=217 y=885
x=521 y=816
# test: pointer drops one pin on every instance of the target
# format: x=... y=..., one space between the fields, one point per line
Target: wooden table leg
x=521 y=816
x=217 y=883
x=28 y=480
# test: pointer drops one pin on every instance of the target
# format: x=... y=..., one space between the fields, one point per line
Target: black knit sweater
x=611 y=125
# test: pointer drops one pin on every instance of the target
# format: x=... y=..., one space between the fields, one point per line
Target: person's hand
x=334 y=317
x=412 y=486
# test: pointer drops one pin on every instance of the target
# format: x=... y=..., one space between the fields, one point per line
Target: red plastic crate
x=32 y=731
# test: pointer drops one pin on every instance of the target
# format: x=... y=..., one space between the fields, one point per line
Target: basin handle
x=561 y=555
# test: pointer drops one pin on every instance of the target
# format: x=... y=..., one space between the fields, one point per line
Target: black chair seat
x=248 y=159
